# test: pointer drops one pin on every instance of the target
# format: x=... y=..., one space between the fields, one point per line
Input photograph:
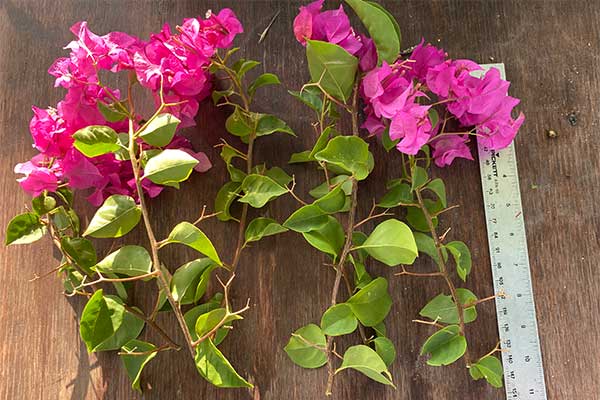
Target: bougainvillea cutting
x=427 y=108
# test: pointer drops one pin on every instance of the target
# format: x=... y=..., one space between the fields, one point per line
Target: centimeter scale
x=521 y=358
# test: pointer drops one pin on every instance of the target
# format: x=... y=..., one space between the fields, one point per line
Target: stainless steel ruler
x=517 y=324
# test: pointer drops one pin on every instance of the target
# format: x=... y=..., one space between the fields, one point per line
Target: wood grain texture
x=551 y=53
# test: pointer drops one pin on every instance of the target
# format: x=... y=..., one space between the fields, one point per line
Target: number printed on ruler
x=517 y=324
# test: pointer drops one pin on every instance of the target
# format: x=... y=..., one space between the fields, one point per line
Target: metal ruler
x=517 y=324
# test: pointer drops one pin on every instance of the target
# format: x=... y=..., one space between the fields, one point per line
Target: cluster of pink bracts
x=177 y=61
x=399 y=96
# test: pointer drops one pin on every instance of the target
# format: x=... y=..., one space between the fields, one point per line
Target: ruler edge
x=511 y=148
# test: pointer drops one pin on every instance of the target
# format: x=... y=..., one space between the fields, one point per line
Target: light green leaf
x=80 y=250
x=332 y=67
x=372 y=303
x=333 y=201
x=114 y=112
x=160 y=131
x=191 y=316
x=437 y=186
x=239 y=124
x=187 y=278
x=215 y=368
x=301 y=157
x=381 y=28
x=24 y=228
x=490 y=368
x=361 y=276
x=263 y=80
x=398 y=195
x=134 y=364
x=130 y=328
x=445 y=346
x=307 y=218
x=443 y=309
x=100 y=319
x=426 y=245
x=225 y=198
x=328 y=238
x=323 y=188
x=116 y=217
x=350 y=153
x=306 y=347
x=242 y=66
x=279 y=176
x=392 y=243
x=170 y=166
x=338 y=320
x=189 y=235
x=386 y=350
x=366 y=361
x=321 y=142
x=261 y=227
x=128 y=260
x=268 y=124
x=462 y=258
x=260 y=189
x=95 y=140
x=208 y=321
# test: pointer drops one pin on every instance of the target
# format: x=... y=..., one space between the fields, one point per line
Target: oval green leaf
x=350 y=153
x=135 y=363
x=128 y=260
x=332 y=67
x=189 y=235
x=261 y=227
x=372 y=303
x=170 y=166
x=216 y=369
x=306 y=347
x=100 y=319
x=260 y=189
x=116 y=217
x=391 y=242
x=338 y=320
x=160 y=131
x=95 y=140
x=366 y=361
x=24 y=228
x=445 y=346
x=307 y=218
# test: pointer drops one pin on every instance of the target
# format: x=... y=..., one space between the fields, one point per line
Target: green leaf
x=462 y=258
x=328 y=238
x=192 y=315
x=66 y=195
x=268 y=124
x=189 y=235
x=333 y=201
x=386 y=350
x=116 y=217
x=307 y=218
x=490 y=368
x=160 y=131
x=338 y=320
x=321 y=142
x=100 y=319
x=418 y=177
x=207 y=322
x=443 y=309
x=260 y=189
x=306 y=347
x=170 y=166
x=95 y=140
x=239 y=124
x=437 y=186
x=416 y=218
x=391 y=17
x=43 y=204
x=134 y=364
x=242 y=66
x=381 y=28
x=332 y=67
x=114 y=112
x=445 y=346
x=350 y=153
x=302 y=157
x=224 y=199
x=130 y=328
x=387 y=142
x=187 y=279
x=434 y=117
x=261 y=227
x=366 y=361
x=372 y=303
x=128 y=260
x=311 y=96
x=426 y=245
x=279 y=176
x=361 y=276
x=263 y=80
x=81 y=250
x=215 y=368
x=323 y=188
x=24 y=228
x=391 y=242
x=398 y=195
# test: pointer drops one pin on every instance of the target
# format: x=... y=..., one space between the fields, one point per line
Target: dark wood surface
x=551 y=53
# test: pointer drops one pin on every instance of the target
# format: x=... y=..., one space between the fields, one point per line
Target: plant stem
x=162 y=282
x=339 y=269
x=444 y=271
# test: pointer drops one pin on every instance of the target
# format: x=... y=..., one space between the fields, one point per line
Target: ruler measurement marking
x=517 y=324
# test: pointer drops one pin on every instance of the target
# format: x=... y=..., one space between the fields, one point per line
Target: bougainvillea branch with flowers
x=97 y=139
x=428 y=108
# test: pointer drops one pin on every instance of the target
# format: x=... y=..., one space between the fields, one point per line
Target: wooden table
x=551 y=53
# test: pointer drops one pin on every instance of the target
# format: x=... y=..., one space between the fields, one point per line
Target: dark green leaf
x=443 y=309
x=333 y=201
x=81 y=250
x=43 y=204
x=134 y=364
x=261 y=227
x=307 y=218
x=398 y=195
x=23 y=229
x=332 y=67
x=242 y=66
x=462 y=257
x=95 y=140
x=268 y=124
x=426 y=245
x=445 y=346
x=114 y=112
x=311 y=96
x=306 y=347
x=260 y=189
x=100 y=319
x=386 y=140
x=323 y=188
x=418 y=177
x=328 y=238
x=187 y=279
x=239 y=124
x=116 y=217
x=224 y=198
x=130 y=328
x=372 y=303
x=437 y=186
x=263 y=80
x=279 y=176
